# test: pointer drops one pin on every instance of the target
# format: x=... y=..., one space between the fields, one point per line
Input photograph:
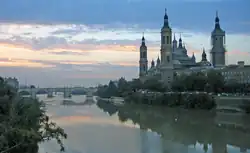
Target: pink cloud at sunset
x=80 y=52
x=23 y=63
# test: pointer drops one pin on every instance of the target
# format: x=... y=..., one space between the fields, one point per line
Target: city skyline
x=52 y=45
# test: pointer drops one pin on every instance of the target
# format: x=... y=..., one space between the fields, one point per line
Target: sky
x=52 y=43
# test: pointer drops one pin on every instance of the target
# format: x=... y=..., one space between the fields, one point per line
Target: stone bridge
x=35 y=90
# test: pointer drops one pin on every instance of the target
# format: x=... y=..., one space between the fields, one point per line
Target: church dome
x=176 y=62
x=204 y=63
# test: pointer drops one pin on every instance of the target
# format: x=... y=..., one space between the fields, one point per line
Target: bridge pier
x=67 y=93
x=50 y=93
x=33 y=93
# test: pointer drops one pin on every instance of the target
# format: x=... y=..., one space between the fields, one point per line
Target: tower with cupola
x=174 y=44
x=218 y=39
x=166 y=52
x=143 y=62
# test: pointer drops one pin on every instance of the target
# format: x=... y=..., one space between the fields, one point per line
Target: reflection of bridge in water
x=215 y=129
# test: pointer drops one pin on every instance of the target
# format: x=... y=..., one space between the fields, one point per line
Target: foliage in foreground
x=24 y=123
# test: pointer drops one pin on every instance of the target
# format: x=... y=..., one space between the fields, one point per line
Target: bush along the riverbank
x=173 y=99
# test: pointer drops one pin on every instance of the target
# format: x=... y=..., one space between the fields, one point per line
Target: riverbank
x=234 y=103
x=188 y=100
x=198 y=100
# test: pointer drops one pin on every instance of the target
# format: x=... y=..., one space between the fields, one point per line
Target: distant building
x=174 y=58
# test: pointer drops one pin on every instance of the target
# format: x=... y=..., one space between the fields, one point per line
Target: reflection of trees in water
x=108 y=108
x=182 y=126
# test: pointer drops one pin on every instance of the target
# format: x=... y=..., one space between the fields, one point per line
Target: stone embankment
x=238 y=104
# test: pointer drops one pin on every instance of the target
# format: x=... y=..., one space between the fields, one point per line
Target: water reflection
x=182 y=130
x=106 y=128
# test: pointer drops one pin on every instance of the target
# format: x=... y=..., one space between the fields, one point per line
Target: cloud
x=69 y=74
x=21 y=62
x=67 y=53
x=67 y=31
x=94 y=12
x=84 y=54
x=88 y=39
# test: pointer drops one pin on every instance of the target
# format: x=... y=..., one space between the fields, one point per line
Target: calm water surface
x=103 y=128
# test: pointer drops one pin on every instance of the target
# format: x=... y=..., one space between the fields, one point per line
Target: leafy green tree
x=212 y=81
x=112 y=89
x=215 y=81
x=178 y=83
x=136 y=84
x=24 y=123
x=154 y=85
x=124 y=87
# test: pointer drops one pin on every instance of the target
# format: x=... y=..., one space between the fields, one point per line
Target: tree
x=154 y=85
x=136 y=84
x=178 y=83
x=193 y=82
x=24 y=124
x=112 y=89
x=215 y=81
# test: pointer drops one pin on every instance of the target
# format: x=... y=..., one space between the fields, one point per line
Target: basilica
x=174 y=58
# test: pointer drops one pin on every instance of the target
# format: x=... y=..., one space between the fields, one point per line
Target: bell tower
x=143 y=63
x=166 y=52
x=218 y=39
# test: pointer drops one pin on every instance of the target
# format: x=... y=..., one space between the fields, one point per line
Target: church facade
x=175 y=60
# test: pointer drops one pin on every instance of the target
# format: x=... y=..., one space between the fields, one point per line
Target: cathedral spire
x=174 y=43
x=217 y=21
x=166 y=25
x=204 y=55
x=166 y=16
x=152 y=63
x=143 y=40
x=193 y=58
x=180 y=42
x=158 y=61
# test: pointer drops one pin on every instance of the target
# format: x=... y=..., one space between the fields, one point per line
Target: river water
x=103 y=128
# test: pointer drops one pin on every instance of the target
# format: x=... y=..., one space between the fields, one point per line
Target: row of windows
x=165 y=40
x=235 y=73
x=169 y=80
x=143 y=68
x=220 y=40
x=240 y=80
x=143 y=55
